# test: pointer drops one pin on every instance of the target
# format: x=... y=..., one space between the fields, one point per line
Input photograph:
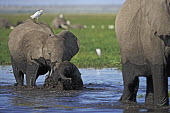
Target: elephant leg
x=131 y=84
x=19 y=76
x=149 y=91
x=31 y=74
x=160 y=84
x=130 y=89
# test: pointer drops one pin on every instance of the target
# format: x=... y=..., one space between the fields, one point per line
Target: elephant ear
x=71 y=44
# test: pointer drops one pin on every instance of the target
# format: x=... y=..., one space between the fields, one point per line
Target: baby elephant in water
x=66 y=75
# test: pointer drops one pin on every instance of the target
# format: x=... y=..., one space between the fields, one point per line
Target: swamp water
x=103 y=90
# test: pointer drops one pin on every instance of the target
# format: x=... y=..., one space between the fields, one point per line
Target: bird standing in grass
x=93 y=26
x=36 y=15
x=99 y=52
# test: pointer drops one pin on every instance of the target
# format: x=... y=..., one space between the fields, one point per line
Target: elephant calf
x=68 y=75
x=36 y=50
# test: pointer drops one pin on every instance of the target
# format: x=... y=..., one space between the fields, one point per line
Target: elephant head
x=60 y=47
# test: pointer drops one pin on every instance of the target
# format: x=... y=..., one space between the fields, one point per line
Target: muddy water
x=103 y=90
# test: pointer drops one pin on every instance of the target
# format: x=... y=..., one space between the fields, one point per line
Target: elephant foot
x=18 y=85
x=165 y=103
x=32 y=87
x=127 y=101
x=127 y=98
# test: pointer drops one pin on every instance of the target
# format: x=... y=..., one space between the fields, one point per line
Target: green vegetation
x=90 y=39
x=4 y=53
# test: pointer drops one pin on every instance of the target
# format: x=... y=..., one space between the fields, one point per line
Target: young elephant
x=66 y=74
x=36 y=50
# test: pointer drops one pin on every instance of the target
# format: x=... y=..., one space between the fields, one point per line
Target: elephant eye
x=51 y=35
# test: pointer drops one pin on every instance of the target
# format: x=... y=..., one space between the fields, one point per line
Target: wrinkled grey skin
x=142 y=29
x=36 y=50
x=66 y=74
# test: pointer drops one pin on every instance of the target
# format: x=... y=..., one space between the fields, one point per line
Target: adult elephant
x=36 y=50
x=142 y=29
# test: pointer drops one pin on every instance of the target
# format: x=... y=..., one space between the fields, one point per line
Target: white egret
x=93 y=26
x=111 y=26
x=99 y=52
x=11 y=27
x=85 y=26
x=68 y=22
x=36 y=15
x=61 y=16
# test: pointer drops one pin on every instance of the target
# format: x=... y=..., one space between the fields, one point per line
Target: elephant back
x=18 y=32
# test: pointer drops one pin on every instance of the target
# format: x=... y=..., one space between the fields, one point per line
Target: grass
x=90 y=39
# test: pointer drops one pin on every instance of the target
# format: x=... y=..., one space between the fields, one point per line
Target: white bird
x=36 y=14
x=85 y=26
x=61 y=16
x=93 y=26
x=99 y=52
x=111 y=26
x=11 y=27
x=68 y=22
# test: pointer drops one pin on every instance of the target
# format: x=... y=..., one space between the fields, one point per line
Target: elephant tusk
x=50 y=72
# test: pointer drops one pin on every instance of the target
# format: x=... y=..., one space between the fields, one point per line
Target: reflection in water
x=103 y=90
